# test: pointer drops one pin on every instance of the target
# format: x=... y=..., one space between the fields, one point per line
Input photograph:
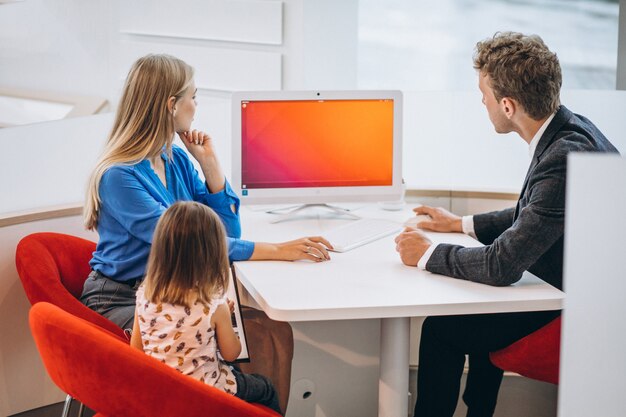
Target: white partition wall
x=449 y=142
x=216 y=69
x=593 y=363
x=250 y=21
x=78 y=47
x=47 y=164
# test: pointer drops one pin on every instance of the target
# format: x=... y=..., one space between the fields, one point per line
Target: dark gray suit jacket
x=529 y=236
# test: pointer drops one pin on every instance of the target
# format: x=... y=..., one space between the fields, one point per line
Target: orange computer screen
x=316 y=143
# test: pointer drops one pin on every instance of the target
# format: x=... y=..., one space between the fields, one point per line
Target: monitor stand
x=293 y=212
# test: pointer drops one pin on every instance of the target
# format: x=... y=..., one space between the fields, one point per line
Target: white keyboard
x=360 y=232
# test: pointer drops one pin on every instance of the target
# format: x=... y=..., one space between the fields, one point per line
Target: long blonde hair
x=188 y=259
x=143 y=123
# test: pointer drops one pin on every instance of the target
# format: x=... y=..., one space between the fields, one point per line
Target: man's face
x=494 y=108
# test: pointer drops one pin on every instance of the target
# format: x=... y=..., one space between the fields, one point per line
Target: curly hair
x=521 y=67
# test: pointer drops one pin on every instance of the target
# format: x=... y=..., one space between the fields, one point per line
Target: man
x=520 y=79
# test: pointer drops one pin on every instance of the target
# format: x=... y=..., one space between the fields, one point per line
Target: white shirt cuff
x=421 y=264
x=467 y=223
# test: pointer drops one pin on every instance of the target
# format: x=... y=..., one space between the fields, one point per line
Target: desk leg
x=393 y=385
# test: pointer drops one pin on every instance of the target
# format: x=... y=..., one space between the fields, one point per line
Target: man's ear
x=509 y=106
x=171 y=103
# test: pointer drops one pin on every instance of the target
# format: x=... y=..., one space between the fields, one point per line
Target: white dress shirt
x=467 y=222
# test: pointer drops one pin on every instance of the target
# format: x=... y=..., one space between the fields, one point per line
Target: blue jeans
x=114 y=300
x=255 y=388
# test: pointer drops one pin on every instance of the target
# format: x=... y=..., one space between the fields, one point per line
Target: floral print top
x=182 y=338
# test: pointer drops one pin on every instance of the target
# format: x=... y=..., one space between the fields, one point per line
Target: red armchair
x=114 y=379
x=535 y=356
x=53 y=267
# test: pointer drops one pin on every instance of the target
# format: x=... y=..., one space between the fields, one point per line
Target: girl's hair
x=189 y=256
x=143 y=123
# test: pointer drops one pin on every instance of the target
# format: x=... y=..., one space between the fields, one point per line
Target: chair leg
x=66 y=406
x=81 y=409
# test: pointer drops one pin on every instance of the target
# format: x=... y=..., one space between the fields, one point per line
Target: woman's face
x=184 y=109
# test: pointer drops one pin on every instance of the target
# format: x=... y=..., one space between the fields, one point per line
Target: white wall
x=73 y=46
x=449 y=142
x=61 y=46
x=593 y=333
x=37 y=167
x=330 y=38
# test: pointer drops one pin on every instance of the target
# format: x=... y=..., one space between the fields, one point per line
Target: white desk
x=371 y=282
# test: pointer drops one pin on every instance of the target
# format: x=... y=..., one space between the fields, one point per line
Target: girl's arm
x=135 y=338
x=227 y=341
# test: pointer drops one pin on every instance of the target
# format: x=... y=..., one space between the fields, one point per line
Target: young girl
x=182 y=317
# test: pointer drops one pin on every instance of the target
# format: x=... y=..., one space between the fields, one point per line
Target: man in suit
x=520 y=80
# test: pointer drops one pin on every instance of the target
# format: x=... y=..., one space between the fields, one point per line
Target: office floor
x=54 y=410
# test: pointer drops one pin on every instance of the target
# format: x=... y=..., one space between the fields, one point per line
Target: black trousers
x=256 y=388
x=444 y=343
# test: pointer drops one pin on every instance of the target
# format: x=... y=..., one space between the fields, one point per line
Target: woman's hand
x=441 y=220
x=314 y=248
x=200 y=146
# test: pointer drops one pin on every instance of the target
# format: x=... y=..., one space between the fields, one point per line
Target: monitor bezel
x=317 y=195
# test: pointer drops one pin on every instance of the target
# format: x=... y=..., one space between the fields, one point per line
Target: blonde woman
x=141 y=173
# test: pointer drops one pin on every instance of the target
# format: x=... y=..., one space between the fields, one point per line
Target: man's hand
x=411 y=244
x=441 y=220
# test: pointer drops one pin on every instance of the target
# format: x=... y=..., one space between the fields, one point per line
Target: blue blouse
x=133 y=198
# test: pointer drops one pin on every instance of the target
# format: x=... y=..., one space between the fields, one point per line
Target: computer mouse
x=415 y=220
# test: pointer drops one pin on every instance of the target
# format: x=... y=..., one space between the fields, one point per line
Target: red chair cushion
x=534 y=356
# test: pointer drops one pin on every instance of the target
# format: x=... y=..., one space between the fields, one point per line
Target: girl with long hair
x=182 y=317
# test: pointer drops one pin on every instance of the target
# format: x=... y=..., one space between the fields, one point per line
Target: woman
x=141 y=173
